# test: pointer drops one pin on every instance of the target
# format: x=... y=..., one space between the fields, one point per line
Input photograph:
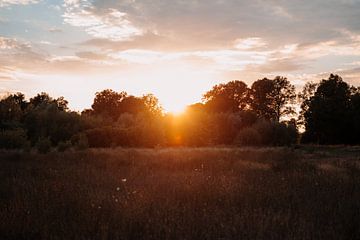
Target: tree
x=11 y=110
x=284 y=96
x=273 y=99
x=152 y=104
x=43 y=99
x=107 y=103
x=304 y=98
x=327 y=113
x=355 y=115
x=228 y=97
x=48 y=118
x=132 y=105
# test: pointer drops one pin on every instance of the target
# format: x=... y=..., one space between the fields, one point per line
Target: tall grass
x=204 y=193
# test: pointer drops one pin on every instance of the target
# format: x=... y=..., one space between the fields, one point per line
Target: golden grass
x=181 y=193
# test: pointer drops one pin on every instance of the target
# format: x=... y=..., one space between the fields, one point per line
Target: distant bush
x=80 y=141
x=248 y=137
x=13 y=139
x=63 y=146
x=267 y=133
x=43 y=145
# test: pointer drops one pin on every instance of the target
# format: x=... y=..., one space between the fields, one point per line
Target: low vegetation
x=302 y=192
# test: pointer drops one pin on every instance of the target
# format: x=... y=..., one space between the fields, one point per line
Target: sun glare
x=176 y=109
x=175 y=85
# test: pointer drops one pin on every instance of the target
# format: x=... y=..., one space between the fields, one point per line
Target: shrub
x=43 y=145
x=80 y=141
x=276 y=134
x=248 y=137
x=14 y=139
x=63 y=146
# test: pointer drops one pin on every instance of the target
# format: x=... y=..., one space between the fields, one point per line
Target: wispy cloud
x=4 y=3
x=112 y=24
x=249 y=43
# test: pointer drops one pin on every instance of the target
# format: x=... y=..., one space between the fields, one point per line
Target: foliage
x=272 y=99
x=47 y=120
x=107 y=103
x=43 y=145
x=11 y=110
x=268 y=133
x=228 y=97
x=13 y=139
x=248 y=137
x=231 y=113
x=80 y=141
x=331 y=113
x=63 y=146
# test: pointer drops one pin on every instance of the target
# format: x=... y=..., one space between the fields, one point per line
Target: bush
x=43 y=145
x=80 y=141
x=276 y=134
x=248 y=137
x=63 y=146
x=14 y=139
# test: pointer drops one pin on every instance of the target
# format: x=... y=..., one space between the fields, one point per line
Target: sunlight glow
x=175 y=108
x=176 y=85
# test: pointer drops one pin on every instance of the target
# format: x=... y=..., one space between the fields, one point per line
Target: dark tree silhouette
x=107 y=103
x=304 y=99
x=228 y=97
x=355 y=115
x=43 y=99
x=11 y=109
x=327 y=113
x=272 y=99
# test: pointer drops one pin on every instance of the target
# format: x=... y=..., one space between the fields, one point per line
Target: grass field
x=205 y=193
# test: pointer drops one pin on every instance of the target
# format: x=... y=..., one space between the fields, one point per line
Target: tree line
x=232 y=113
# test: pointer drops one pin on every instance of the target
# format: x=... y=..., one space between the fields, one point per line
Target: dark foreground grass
x=206 y=193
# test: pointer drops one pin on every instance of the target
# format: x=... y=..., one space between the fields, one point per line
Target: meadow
x=303 y=192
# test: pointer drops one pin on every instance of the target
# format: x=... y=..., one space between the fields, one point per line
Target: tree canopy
x=230 y=114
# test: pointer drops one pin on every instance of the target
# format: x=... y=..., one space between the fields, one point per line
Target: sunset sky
x=175 y=49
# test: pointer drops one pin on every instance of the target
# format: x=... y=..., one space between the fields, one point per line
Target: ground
x=302 y=192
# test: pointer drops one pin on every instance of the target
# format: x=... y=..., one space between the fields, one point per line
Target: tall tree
x=272 y=99
x=228 y=97
x=107 y=103
x=304 y=99
x=11 y=110
x=43 y=99
x=355 y=115
x=152 y=104
x=328 y=113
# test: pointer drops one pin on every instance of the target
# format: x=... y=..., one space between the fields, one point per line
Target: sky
x=175 y=49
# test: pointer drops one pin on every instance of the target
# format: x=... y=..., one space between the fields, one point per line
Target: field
x=305 y=192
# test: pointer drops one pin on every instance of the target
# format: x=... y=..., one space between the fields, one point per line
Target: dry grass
x=204 y=193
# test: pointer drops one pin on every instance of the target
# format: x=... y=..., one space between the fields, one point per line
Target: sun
x=175 y=108
x=176 y=85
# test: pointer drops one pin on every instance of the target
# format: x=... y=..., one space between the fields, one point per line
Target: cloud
x=4 y=3
x=7 y=43
x=12 y=44
x=7 y=74
x=18 y=54
x=55 y=30
x=277 y=66
x=91 y=55
x=220 y=23
x=112 y=24
x=249 y=43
